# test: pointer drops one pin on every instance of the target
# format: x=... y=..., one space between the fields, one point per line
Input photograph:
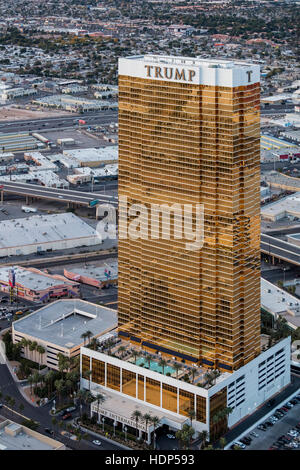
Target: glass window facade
x=141 y=387
x=129 y=383
x=201 y=409
x=153 y=391
x=113 y=377
x=195 y=144
x=169 y=397
x=98 y=372
x=85 y=364
x=186 y=402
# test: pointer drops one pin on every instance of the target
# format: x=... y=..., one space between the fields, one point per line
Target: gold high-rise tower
x=189 y=133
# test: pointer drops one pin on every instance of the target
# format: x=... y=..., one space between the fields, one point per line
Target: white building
x=171 y=399
x=59 y=326
x=41 y=233
x=279 y=302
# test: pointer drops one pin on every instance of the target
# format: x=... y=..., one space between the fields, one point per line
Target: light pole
x=125 y=430
x=284 y=269
x=103 y=420
x=115 y=424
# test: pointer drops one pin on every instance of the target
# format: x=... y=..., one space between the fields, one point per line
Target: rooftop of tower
x=192 y=61
x=190 y=70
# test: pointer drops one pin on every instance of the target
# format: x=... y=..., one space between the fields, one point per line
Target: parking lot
x=267 y=439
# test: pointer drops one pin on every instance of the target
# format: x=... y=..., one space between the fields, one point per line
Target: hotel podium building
x=189 y=134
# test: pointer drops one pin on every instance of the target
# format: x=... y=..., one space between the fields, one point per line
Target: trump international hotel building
x=189 y=133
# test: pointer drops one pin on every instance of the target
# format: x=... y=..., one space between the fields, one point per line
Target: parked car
x=254 y=434
x=262 y=427
x=239 y=444
x=246 y=440
x=170 y=436
x=66 y=416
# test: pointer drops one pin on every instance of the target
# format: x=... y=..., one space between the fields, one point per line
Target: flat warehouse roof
x=34 y=280
x=63 y=322
x=93 y=154
x=44 y=228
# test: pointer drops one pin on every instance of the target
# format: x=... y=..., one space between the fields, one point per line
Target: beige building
x=14 y=436
x=58 y=328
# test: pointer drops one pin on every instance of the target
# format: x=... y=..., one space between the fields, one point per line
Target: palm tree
x=193 y=372
x=32 y=348
x=177 y=368
x=41 y=351
x=36 y=378
x=31 y=382
x=94 y=344
x=155 y=421
x=60 y=387
x=99 y=399
x=83 y=336
x=135 y=354
x=185 y=435
x=146 y=418
x=49 y=377
x=24 y=344
x=109 y=345
x=88 y=335
x=147 y=358
x=162 y=363
x=203 y=436
x=192 y=415
x=63 y=364
x=121 y=350
x=136 y=415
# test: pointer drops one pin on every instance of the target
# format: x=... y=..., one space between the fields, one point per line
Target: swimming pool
x=154 y=366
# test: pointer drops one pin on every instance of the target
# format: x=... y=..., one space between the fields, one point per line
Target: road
x=54 y=194
x=41 y=415
x=49 y=123
x=280 y=249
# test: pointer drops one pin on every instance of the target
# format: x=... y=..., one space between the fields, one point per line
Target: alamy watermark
x=153 y=222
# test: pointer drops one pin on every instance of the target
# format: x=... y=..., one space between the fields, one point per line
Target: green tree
x=136 y=416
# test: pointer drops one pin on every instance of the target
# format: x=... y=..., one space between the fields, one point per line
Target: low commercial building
x=14 y=436
x=281 y=303
x=59 y=327
x=123 y=378
x=45 y=233
x=6 y=158
x=281 y=181
x=44 y=178
x=86 y=174
x=100 y=276
x=35 y=285
x=41 y=162
x=93 y=157
x=286 y=207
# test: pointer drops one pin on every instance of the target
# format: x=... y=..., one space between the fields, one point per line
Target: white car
x=97 y=443
x=254 y=434
x=239 y=444
x=170 y=436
